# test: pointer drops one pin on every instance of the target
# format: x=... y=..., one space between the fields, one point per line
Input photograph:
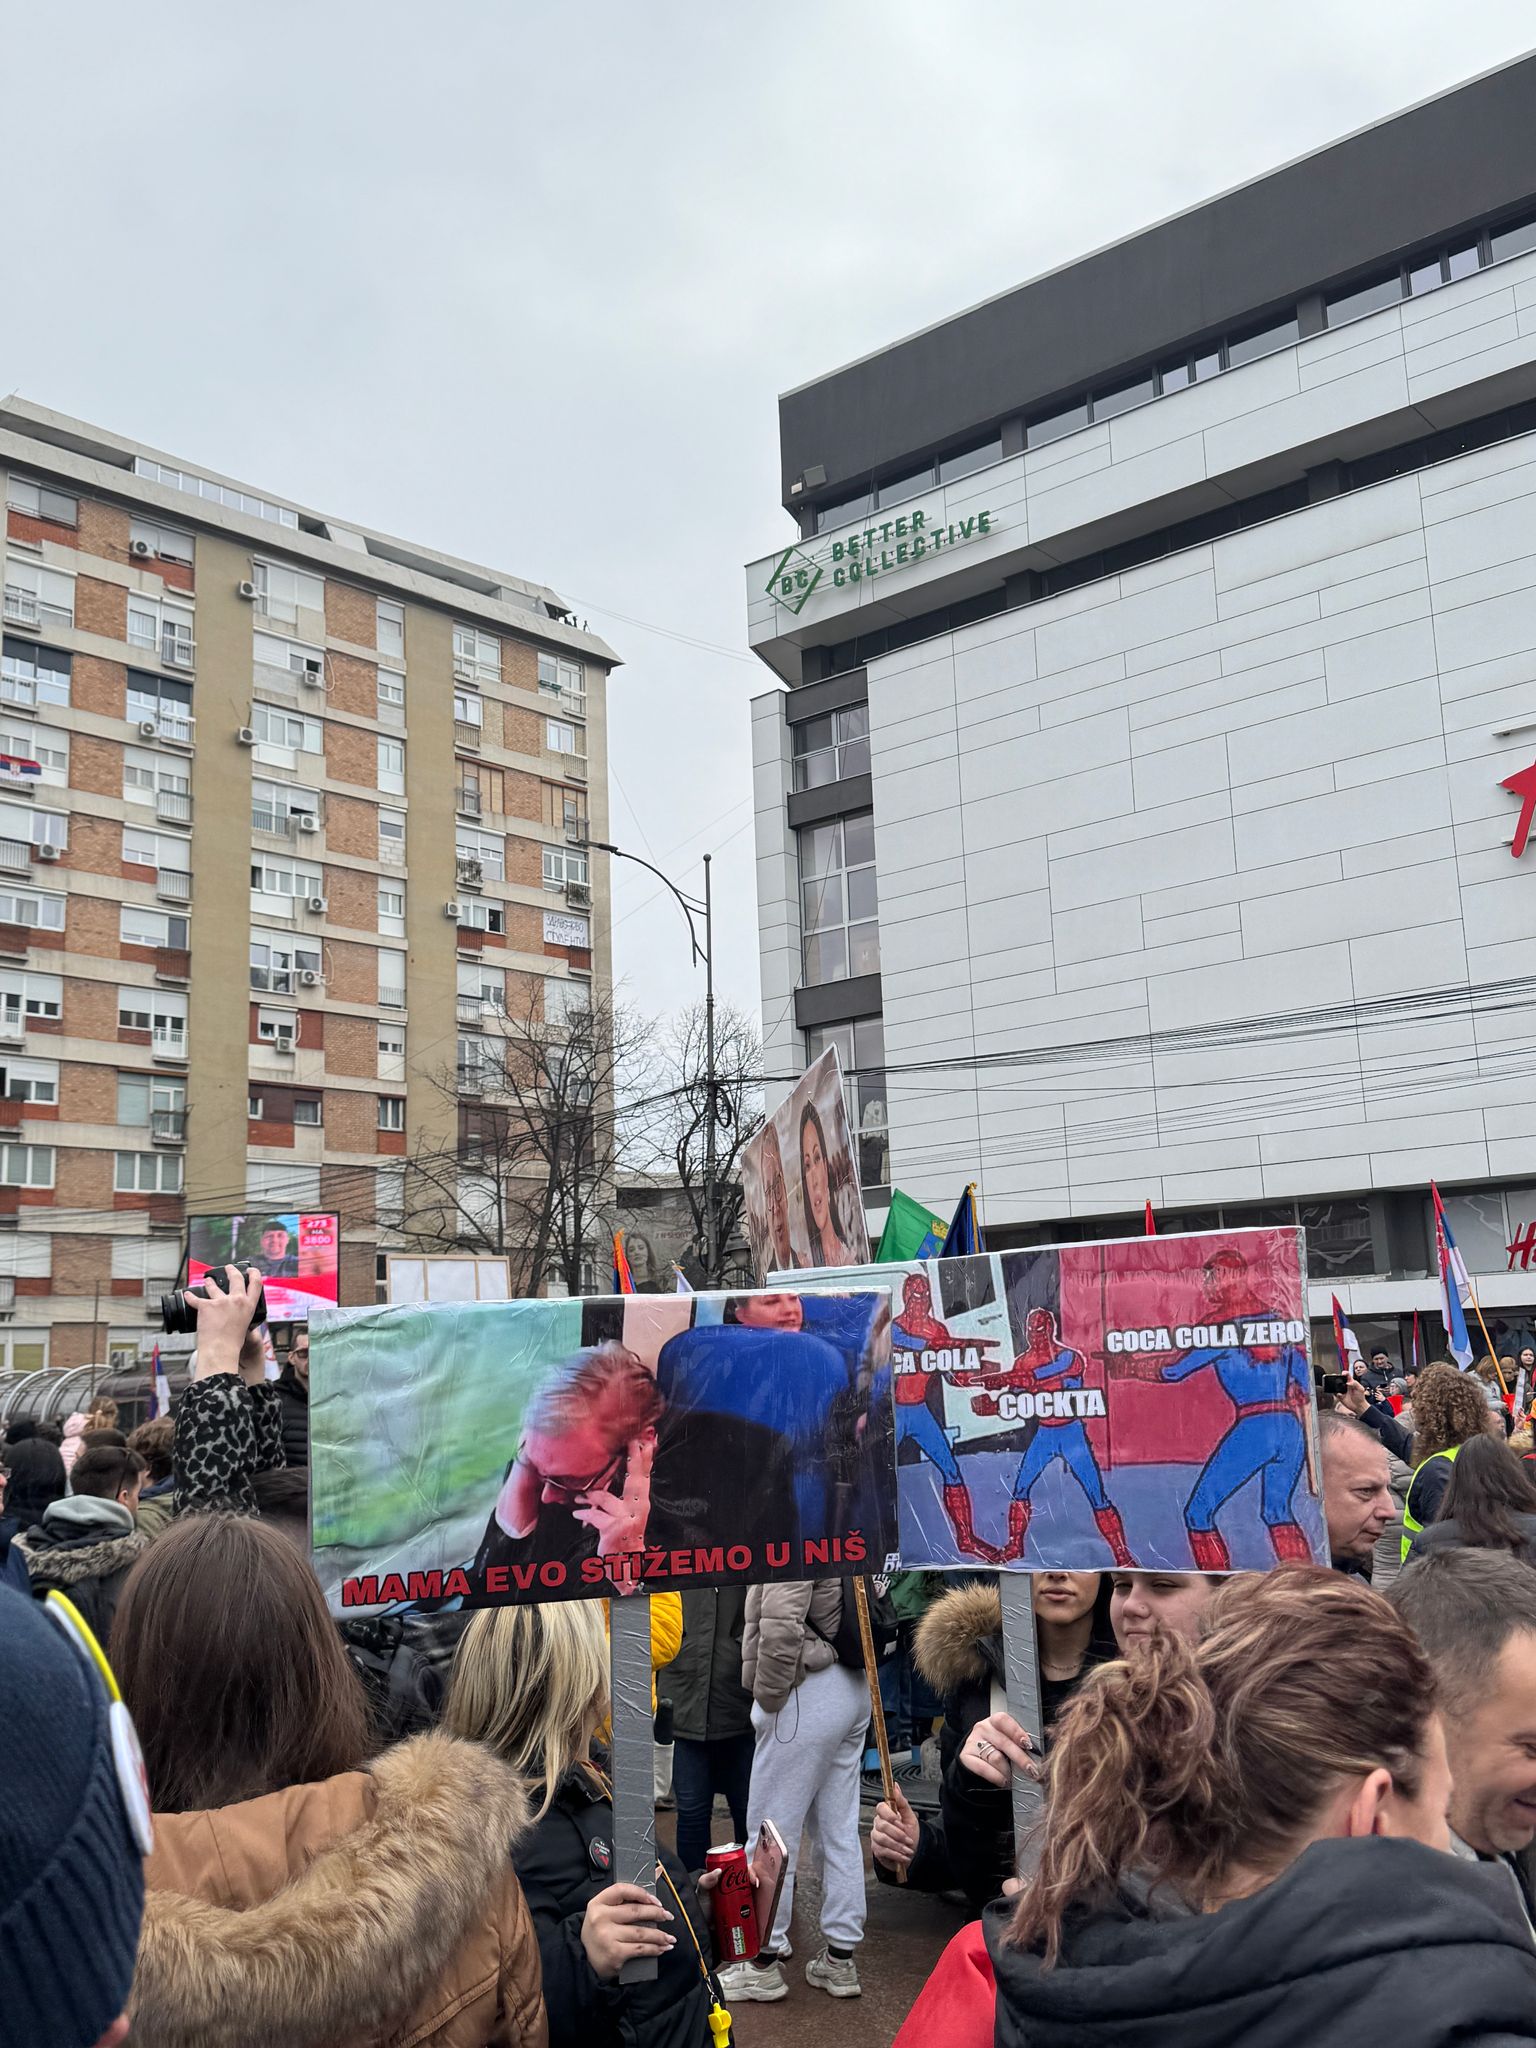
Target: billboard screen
x=800 y=1180
x=296 y=1253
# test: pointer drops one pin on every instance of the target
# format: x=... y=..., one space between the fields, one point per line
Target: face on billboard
x=506 y=1451
x=296 y=1252
x=800 y=1178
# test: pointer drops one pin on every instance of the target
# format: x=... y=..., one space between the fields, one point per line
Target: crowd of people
x=1278 y=1808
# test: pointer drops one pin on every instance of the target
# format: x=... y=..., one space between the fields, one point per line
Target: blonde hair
x=608 y=1385
x=532 y=1683
x=102 y=1413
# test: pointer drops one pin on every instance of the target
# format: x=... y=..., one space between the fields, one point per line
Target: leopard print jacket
x=225 y=1431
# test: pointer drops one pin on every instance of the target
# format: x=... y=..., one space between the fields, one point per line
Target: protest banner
x=497 y=1452
x=799 y=1180
x=1144 y=1403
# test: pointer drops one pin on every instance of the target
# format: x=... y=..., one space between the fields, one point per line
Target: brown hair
x=1448 y=1409
x=93 y=1439
x=1463 y=1606
x=154 y=1441
x=1489 y=1491
x=232 y=1669
x=102 y=1413
x=1188 y=1759
x=104 y=1470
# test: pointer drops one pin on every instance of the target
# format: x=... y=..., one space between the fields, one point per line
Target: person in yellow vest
x=1448 y=1411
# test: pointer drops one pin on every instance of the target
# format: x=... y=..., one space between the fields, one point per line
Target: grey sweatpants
x=805 y=1770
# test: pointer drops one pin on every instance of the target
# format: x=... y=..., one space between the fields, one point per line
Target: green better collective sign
x=876 y=551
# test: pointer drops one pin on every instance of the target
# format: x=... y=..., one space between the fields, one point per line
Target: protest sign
x=799 y=1180
x=496 y=1452
x=1145 y=1402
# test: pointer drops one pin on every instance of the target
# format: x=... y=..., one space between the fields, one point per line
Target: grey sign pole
x=634 y=1785
x=1021 y=1666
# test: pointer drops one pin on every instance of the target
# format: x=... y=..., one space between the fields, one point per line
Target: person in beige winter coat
x=809 y=1716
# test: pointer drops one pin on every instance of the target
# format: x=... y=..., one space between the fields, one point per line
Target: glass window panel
x=845 y=511
x=861 y=893
x=1173 y=377
x=908 y=486
x=826 y=957
x=1462 y=262
x=1263 y=341
x=821 y=849
x=853 y=723
x=813 y=771
x=1056 y=425
x=1426 y=277
x=815 y=734
x=859 y=838
x=953 y=466
x=1365 y=298
x=864 y=949
x=1338 y=1237
x=823 y=902
x=853 y=759
x=1208 y=365
x=1511 y=241
x=1107 y=403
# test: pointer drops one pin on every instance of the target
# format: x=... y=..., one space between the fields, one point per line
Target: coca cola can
x=735 y=1914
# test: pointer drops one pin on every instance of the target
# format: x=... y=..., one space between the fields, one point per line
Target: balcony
x=172 y=885
x=169 y=1043
x=469 y=872
x=15 y=856
x=18 y=691
x=578 y=895
x=23 y=608
x=467 y=802
x=466 y=735
x=7 y=1294
x=168 y=722
x=167 y=1126
x=173 y=807
x=177 y=650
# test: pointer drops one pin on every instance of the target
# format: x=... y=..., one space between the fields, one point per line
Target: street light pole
x=691 y=909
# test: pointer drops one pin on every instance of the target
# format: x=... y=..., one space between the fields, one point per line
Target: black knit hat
x=71 y=1873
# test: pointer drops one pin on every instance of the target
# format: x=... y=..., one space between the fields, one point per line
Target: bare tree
x=668 y=1128
x=541 y=1137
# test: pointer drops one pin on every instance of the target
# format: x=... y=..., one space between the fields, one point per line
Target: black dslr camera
x=178 y=1319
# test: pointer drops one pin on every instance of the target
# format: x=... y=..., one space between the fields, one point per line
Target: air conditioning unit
x=308 y=822
x=286 y=1044
x=315 y=677
x=318 y=904
x=149 y=728
x=247 y=590
x=246 y=736
x=309 y=977
x=46 y=852
x=451 y=910
x=140 y=547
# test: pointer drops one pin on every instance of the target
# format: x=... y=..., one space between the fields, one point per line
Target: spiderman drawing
x=1046 y=1364
x=1269 y=1386
x=918 y=1329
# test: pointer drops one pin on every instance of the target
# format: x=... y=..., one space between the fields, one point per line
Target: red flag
x=623 y=1278
x=1151 y=1222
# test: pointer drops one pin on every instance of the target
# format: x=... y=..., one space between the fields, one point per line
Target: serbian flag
x=623 y=1279
x=1455 y=1286
x=159 y=1388
x=1151 y=1229
x=17 y=768
x=1345 y=1338
x=964 y=1234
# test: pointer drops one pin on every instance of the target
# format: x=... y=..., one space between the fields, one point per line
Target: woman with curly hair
x=1448 y=1411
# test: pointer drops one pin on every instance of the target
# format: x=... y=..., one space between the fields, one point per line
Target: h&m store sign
x=877 y=550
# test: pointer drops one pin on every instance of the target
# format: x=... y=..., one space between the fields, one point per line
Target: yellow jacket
x=666 y=1640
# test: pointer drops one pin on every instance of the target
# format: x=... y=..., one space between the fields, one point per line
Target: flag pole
x=1486 y=1338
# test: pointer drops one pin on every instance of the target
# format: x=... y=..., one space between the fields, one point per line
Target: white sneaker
x=742 y=1983
x=786 y=1951
x=836 y=1975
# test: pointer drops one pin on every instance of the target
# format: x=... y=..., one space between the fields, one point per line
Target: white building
x=1157 y=645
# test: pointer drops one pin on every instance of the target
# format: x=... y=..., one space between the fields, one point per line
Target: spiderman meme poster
x=1145 y=1402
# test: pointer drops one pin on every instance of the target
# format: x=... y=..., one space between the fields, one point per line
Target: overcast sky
x=523 y=281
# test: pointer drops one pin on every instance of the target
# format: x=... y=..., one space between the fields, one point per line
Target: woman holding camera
x=229 y=1422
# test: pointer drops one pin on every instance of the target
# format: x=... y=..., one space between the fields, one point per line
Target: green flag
x=911 y=1232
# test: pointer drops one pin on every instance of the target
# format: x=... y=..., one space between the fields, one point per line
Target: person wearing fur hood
x=299 y=1894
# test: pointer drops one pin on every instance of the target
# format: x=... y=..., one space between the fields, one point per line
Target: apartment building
x=1154 y=660
x=290 y=811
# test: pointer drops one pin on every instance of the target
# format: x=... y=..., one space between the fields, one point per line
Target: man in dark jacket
x=711 y=1719
x=293 y=1397
x=87 y=1543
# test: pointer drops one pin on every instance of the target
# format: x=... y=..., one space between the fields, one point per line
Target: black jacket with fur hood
x=959 y=1650
x=377 y=1909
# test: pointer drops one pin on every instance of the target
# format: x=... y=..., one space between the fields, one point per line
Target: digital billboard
x=295 y=1251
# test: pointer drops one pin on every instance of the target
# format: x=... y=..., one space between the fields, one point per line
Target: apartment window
x=1514 y=240
x=137 y=926
x=566 y=999
x=565 y=679
x=468 y=708
x=1365 y=298
x=306 y=1110
x=1462 y=262
x=478 y=1061
x=218 y=494
x=573 y=812
x=896 y=489
x=32 y=675
x=271 y=875
x=391 y=691
x=838 y=906
x=476 y=655
x=479 y=914
x=166 y=543
x=30 y=1080
x=26 y=1166
x=488 y=848
x=861 y=1051
x=146 y=775
x=391 y=910
x=42 y=744
x=139 y=1096
x=276 y=805
x=392 y=836
x=391 y=1052
x=278 y=963
x=276 y=1185
x=155 y=1261
x=564 y=864
x=35 y=596
x=158 y=1012
x=391 y=766
x=1261 y=341
x=845 y=511
x=287 y=658
x=1124 y=397
x=391 y=1112
x=952 y=467
x=828 y=749
x=33 y=827
x=282 y=593
x=145 y=849
x=254 y=1108
x=27 y=997
x=1056 y=426
x=41 y=501
x=35 y=908
x=388 y=1206
x=391 y=980
x=389 y=630
x=276 y=1027
x=275 y=727
x=485 y=987
x=148 y=1173
x=161 y=702
x=164 y=629
x=561 y=738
